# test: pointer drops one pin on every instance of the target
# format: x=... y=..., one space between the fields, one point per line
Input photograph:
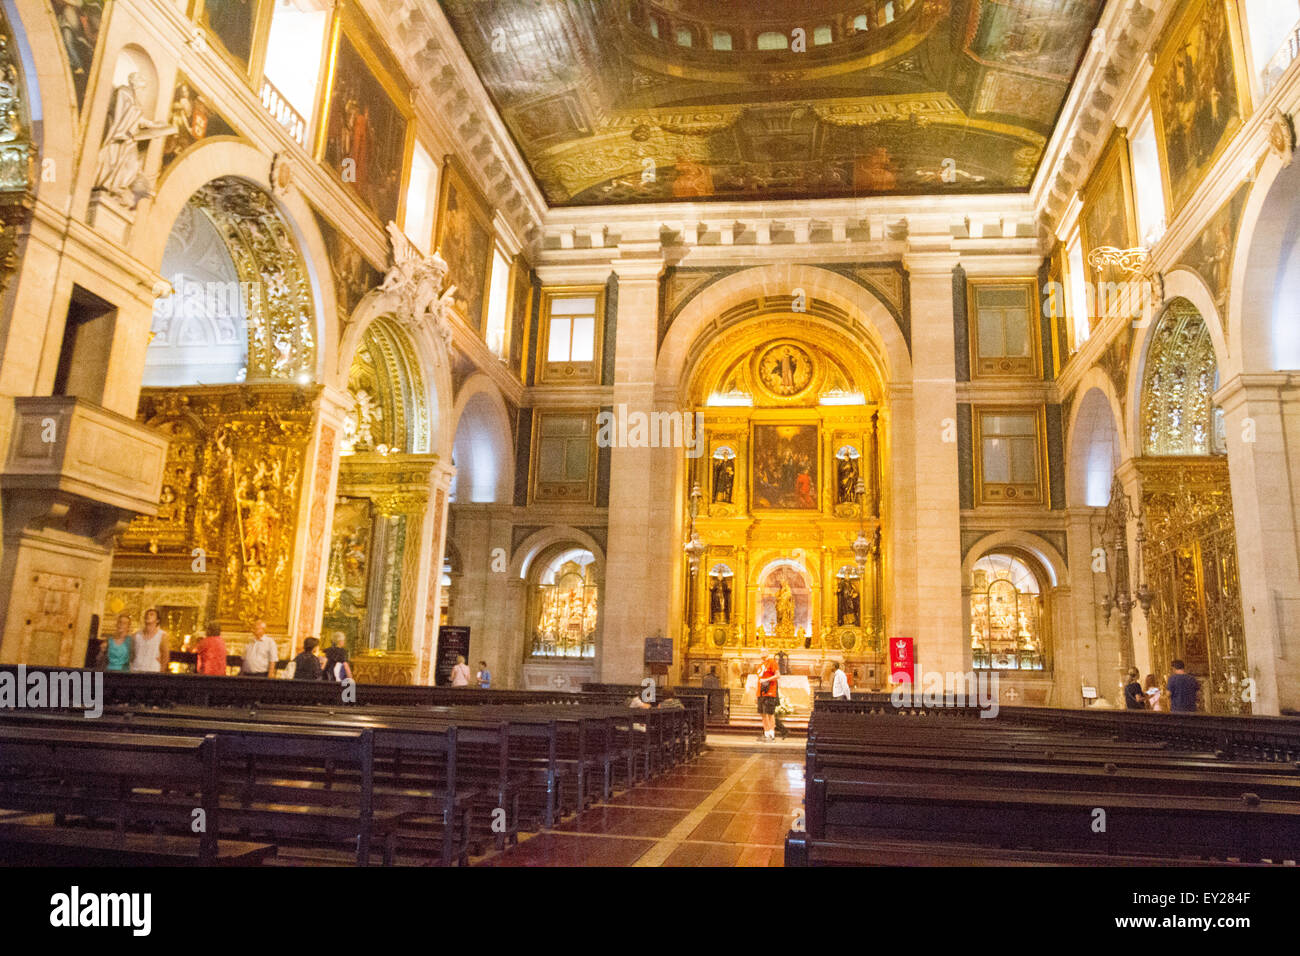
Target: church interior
x=888 y=364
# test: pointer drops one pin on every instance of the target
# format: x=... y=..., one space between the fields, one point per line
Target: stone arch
x=868 y=321
x=483 y=450
x=1097 y=443
x=1264 y=302
x=535 y=544
x=51 y=98
x=1051 y=562
x=432 y=364
x=229 y=159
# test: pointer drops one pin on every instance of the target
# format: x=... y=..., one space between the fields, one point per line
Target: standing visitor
x=306 y=666
x=460 y=673
x=768 y=690
x=1152 y=687
x=336 y=659
x=484 y=676
x=840 y=683
x=1135 y=697
x=1183 y=688
x=212 y=651
x=115 y=655
x=261 y=654
x=150 y=652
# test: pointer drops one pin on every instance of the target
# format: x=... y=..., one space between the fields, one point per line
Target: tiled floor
x=732 y=806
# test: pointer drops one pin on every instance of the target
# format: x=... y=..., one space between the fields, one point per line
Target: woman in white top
x=460 y=673
x=150 y=652
x=840 y=683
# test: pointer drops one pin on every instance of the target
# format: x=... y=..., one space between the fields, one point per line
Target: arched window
x=721 y=40
x=1006 y=615
x=773 y=41
x=684 y=37
x=860 y=23
x=566 y=605
x=822 y=35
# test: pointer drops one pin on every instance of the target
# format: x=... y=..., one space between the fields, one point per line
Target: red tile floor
x=731 y=806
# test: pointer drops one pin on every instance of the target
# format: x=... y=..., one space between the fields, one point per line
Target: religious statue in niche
x=724 y=475
x=847 y=475
x=846 y=601
x=785 y=370
x=785 y=611
x=720 y=599
x=120 y=173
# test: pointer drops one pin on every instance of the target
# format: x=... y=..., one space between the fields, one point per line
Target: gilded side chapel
x=972 y=322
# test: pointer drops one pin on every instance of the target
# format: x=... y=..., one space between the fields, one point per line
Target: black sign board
x=658 y=650
x=453 y=641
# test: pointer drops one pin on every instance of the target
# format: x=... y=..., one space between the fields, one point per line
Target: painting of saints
x=79 y=26
x=724 y=476
x=785 y=466
x=1197 y=99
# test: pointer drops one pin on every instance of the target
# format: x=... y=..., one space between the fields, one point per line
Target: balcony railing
x=284 y=114
x=1283 y=58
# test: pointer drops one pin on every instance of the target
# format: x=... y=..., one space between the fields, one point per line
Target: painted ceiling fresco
x=618 y=101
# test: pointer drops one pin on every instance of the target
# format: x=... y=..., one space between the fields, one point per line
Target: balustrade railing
x=289 y=118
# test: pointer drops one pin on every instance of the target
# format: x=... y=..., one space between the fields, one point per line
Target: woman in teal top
x=117 y=650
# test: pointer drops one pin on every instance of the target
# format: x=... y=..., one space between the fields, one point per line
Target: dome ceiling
x=620 y=101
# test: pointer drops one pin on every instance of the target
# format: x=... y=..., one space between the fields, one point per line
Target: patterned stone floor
x=732 y=806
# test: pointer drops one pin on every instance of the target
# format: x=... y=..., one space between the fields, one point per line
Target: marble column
x=1262 y=426
x=941 y=644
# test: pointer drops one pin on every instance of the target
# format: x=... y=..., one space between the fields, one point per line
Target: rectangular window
x=1080 y=301
x=421 y=199
x=1148 y=184
x=572 y=320
x=564 y=456
x=1009 y=456
x=1274 y=29
x=498 y=293
x=1004 y=328
x=295 y=50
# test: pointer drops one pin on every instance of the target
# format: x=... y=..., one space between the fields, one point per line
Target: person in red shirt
x=212 y=651
x=768 y=688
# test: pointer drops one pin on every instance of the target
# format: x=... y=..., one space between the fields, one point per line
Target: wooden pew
x=95 y=774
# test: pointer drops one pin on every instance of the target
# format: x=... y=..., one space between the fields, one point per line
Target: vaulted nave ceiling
x=619 y=101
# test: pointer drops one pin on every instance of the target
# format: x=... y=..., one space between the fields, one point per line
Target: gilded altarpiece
x=789 y=477
x=222 y=544
x=1191 y=549
x=1191 y=564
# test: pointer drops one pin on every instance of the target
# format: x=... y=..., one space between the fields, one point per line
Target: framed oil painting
x=234 y=25
x=366 y=130
x=784 y=467
x=465 y=241
x=1109 y=217
x=1200 y=95
x=79 y=23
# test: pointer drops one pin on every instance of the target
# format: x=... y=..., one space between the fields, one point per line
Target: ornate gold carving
x=1178 y=416
x=231 y=490
x=1191 y=563
x=278 y=300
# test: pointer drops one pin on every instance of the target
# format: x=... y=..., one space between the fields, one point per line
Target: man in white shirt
x=261 y=654
x=840 y=683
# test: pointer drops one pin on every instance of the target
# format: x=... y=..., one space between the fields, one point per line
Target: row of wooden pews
x=437 y=776
x=938 y=785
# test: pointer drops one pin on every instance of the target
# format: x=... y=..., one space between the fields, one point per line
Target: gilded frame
x=349 y=24
x=802 y=422
x=1174 y=39
x=1115 y=165
x=455 y=175
x=539 y=416
x=548 y=375
x=1040 y=458
x=1028 y=285
x=261 y=32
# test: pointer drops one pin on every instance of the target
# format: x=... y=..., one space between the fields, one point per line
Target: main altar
x=785 y=501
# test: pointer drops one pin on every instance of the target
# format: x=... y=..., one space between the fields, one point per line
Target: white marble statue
x=120 y=173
